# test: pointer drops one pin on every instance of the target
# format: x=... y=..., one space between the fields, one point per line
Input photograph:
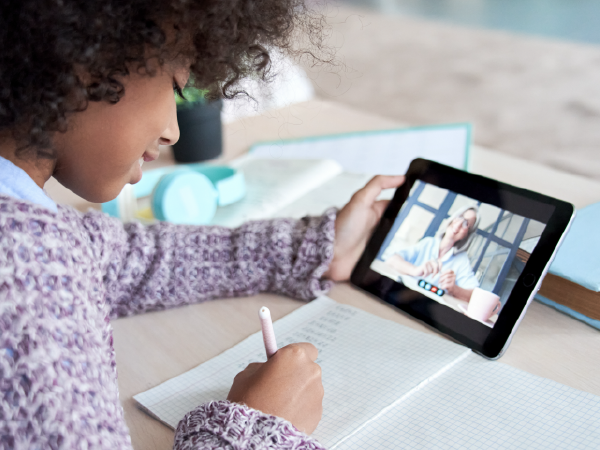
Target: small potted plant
x=199 y=125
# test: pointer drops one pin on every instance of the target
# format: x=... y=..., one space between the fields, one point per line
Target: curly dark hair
x=45 y=46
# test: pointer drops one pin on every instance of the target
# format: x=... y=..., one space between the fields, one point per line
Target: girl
x=86 y=96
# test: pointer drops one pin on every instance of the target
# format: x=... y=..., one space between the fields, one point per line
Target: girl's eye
x=178 y=91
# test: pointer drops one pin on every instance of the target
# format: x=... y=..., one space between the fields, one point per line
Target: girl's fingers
x=299 y=348
x=379 y=207
x=248 y=371
x=373 y=188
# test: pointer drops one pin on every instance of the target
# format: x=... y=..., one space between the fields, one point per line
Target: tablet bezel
x=489 y=342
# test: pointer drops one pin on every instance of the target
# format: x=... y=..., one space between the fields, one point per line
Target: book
x=571 y=298
x=573 y=282
x=388 y=386
x=294 y=178
x=383 y=152
x=288 y=188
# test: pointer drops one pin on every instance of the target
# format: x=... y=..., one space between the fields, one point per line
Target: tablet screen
x=463 y=253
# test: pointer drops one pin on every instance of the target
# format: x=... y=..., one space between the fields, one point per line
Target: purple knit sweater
x=64 y=276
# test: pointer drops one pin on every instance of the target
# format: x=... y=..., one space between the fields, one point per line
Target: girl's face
x=105 y=144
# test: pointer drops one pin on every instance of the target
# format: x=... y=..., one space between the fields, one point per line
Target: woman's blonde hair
x=463 y=244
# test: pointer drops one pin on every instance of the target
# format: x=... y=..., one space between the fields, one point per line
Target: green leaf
x=192 y=96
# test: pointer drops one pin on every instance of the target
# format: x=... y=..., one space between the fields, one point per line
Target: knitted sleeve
x=58 y=373
x=225 y=425
x=165 y=265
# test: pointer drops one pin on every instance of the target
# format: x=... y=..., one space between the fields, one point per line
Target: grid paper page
x=387 y=152
x=480 y=404
x=367 y=364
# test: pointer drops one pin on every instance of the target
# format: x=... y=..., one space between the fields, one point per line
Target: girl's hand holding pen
x=288 y=385
x=355 y=223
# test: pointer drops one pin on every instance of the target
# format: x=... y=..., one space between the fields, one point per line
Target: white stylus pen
x=267 y=331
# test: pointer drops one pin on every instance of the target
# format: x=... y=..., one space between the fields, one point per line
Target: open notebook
x=388 y=386
x=294 y=178
x=289 y=188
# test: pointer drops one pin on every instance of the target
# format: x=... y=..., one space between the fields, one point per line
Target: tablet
x=463 y=253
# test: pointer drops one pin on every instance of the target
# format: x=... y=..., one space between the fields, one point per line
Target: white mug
x=483 y=305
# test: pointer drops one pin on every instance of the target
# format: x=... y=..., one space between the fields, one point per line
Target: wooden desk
x=154 y=347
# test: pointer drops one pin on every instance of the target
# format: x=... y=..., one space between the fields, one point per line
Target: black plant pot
x=200 y=133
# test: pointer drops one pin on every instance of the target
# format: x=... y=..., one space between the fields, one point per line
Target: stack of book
x=573 y=283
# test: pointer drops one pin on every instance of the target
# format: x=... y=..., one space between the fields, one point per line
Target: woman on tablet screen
x=443 y=261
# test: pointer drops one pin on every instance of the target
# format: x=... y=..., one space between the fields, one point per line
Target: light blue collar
x=15 y=182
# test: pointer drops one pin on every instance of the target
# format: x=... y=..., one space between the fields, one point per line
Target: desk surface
x=155 y=347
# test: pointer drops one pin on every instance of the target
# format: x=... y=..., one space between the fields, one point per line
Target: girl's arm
x=222 y=424
x=287 y=389
x=166 y=265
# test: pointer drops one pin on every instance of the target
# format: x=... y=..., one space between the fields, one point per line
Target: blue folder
x=578 y=259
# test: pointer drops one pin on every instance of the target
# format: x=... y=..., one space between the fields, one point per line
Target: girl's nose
x=171 y=134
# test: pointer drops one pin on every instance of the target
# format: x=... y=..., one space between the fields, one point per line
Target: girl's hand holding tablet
x=475 y=208
x=355 y=223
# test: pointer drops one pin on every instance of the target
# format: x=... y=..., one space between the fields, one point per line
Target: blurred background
x=525 y=73
x=577 y=20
